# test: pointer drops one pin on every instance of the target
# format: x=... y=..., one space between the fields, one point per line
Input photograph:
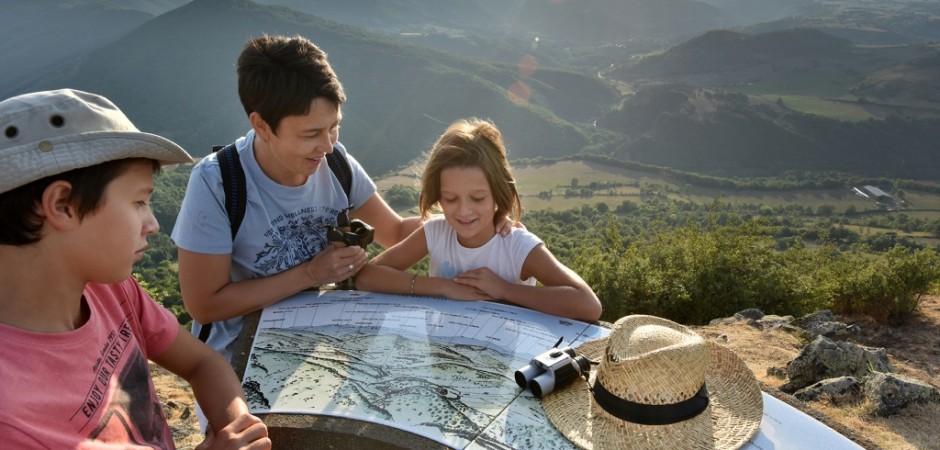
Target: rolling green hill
x=726 y=134
x=724 y=51
x=175 y=76
x=796 y=100
x=38 y=35
x=756 y=11
x=916 y=81
x=791 y=61
x=617 y=21
x=407 y=15
x=582 y=22
x=867 y=22
x=735 y=104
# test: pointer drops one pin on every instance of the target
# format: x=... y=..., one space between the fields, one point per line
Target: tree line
x=685 y=261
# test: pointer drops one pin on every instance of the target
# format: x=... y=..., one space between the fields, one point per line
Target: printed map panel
x=436 y=367
x=439 y=368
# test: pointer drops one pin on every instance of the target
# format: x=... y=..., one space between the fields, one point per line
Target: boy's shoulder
x=128 y=288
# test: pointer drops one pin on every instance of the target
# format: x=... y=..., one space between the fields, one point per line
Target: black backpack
x=233 y=180
x=236 y=193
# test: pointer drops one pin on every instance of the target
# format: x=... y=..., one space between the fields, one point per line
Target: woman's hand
x=335 y=264
x=505 y=226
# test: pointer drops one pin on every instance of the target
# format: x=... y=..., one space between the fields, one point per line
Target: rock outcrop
x=830 y=368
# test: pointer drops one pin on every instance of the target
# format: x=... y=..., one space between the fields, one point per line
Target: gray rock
x=777 y=372
x=817 y=317
x=750 y=313
x=771 y=321
x=839 y=391
x=798 y=332
x=824 y=358
x=722 y=321
x=891 y=392
x=823 y=323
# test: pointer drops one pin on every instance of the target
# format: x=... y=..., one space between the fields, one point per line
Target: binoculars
x=550 y=370
x=348 y=233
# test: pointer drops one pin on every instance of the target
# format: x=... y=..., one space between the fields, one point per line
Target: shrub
x=885 y=286
x=400 y=196
x=693 y=274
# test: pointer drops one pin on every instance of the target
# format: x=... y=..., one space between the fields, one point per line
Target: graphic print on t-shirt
x=448 y=270
x=131 y=414
x=294 y=238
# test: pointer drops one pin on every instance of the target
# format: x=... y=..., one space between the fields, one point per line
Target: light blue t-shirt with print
x=283 y=225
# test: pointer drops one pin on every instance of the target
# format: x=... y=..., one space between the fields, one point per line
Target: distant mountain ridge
x=174 y=75
x=866 y=23
x=736 y=56
x=725 y=134
x=170 y=65
x=724 y=58
x=583 y=21
x=61 y=32
x=754 y=11
x=915 y=81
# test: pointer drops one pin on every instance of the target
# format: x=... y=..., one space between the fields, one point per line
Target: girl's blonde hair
x=472 y=143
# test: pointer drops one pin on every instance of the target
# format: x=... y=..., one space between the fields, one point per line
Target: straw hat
x=669 y=387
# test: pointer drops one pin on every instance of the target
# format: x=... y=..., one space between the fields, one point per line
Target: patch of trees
x=692 y=274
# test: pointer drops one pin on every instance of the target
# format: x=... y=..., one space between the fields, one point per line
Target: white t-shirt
x=503 y=255
x=283 y=226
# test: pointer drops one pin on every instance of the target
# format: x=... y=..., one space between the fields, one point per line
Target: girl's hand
x=458 y=291
x=486 y=281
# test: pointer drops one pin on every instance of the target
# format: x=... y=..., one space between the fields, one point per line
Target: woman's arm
x=210 y=295
x=390 y=228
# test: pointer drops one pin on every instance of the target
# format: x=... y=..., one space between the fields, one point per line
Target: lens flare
x=519 y=93
x=527 y=66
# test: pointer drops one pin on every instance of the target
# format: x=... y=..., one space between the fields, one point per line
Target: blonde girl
x=468 y=178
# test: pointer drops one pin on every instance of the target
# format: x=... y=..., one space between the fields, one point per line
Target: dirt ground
x=913 y=347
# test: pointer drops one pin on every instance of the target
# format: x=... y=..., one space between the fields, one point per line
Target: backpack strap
x=236 y=193
x=233 y=182
x=340 y=167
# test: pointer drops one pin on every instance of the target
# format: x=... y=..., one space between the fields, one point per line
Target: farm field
x=626 y=185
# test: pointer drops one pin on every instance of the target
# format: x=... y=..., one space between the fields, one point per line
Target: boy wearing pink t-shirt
x=76 y=178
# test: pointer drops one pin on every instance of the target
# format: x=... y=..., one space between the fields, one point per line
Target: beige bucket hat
x=658 y=385
x=51 y=132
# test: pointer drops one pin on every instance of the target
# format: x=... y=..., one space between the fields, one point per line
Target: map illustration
x=439 y=368
x=436 y=367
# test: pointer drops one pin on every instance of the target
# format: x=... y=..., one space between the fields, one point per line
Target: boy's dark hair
x=20 y=219
x=280 y=76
